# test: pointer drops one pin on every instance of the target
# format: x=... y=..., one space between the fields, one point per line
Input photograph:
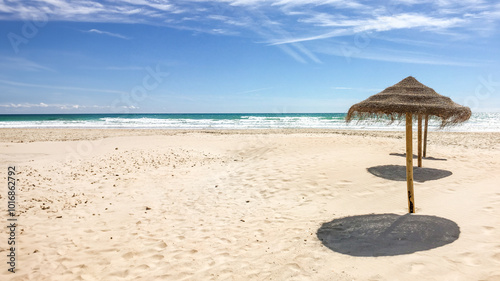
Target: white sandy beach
x=238 y=205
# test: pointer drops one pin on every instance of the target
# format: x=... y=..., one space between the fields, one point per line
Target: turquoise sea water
x=479 y=122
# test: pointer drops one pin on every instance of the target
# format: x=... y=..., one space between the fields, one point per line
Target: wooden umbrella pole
x=420 y=140
x=425 y=134
x=409 y=163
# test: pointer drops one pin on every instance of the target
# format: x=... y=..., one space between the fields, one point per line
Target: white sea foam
x=479 y=122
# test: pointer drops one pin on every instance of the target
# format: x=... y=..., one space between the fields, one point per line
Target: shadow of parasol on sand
x=398 y=173
x=387 y=234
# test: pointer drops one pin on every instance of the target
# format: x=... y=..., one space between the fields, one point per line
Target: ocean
x=479 y=122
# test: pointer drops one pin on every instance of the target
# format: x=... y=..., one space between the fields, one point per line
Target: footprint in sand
x=224 y=240
x=488 y=230
x=488 y=209
x=417 y=268
x=259 y=233
x=450 y=190
x=143 y=267
x=162 y=245
x=495 y=199
x=344 y=183
x=294 y=267
x=122 y=274
x=496 y=257
x=128 y=255
x=469 y=259
x=365 y=193
x=494 y=278
x=157 y=257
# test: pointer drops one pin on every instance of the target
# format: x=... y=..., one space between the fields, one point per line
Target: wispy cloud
x=344 y=27
x=357 y=89
x=302 y=14
x=291 y=25
x=89 y=90
x=23 y=64
x=23 y=105
x=108 y=34
x=59 y=106
x=412 y=42
x=253 y=91
x=295 y=3
x=125 y=68
x=400 y=56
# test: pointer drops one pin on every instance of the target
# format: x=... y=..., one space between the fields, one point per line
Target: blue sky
x=163 y=56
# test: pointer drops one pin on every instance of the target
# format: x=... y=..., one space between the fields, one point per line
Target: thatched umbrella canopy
x=405 y=99
x=410 y=96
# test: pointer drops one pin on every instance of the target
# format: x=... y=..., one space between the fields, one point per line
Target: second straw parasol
x=405 y=99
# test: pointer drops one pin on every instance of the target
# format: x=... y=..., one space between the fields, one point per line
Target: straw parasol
x=405 y=99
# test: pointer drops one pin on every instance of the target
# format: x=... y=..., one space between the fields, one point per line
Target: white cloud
x=395 y=55
x=357 y=89
x=378 y=24
x=253 y=91
x=409 y=21
x=230 y=10
x=61 y=106
x=108 y=33
x=335 y=33
x=229 y=20
x=21 y=84
x=301 y=17
x=163 y=5
x=336 y=3
x=23 y=64
x=126 y=68
x=276 y=22
x=23 y=105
